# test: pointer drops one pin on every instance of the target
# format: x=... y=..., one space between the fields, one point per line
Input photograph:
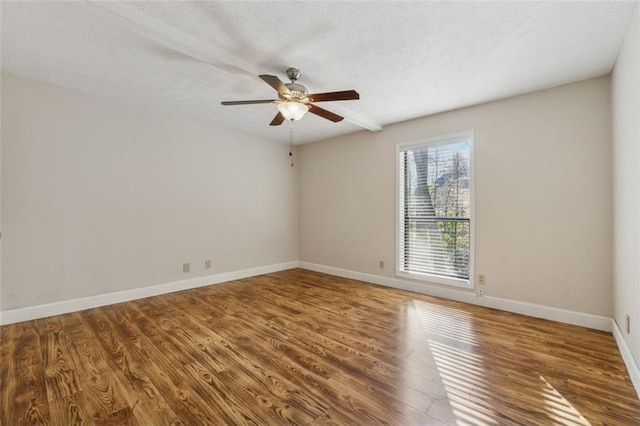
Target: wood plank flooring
x=298 y=347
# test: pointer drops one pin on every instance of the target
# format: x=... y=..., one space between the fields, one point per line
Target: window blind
x=435 y=209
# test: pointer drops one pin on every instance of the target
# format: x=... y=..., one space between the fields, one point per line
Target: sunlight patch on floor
x=462 y=373
x=447 y=322
x=559 y=408
x=447 y=341
x=449 y=336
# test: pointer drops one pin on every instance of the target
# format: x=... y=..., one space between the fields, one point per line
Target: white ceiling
x=406 y=59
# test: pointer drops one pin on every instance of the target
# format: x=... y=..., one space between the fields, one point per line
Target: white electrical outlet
x=481 y=279
x=480 y=292
x=186 y=267
x=207 y=264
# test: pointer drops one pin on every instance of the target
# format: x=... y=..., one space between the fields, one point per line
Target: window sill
x=435 y=279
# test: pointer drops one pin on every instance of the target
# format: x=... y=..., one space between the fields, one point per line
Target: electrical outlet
x=628 y=324
x=480 y=292
x=481 y=279
x=207 y=264
x=381 y=264
x=186 y=267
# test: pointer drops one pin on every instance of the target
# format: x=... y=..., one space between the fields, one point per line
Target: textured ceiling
x=406 y=59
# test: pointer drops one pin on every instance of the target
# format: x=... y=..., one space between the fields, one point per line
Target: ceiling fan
x=294 y=100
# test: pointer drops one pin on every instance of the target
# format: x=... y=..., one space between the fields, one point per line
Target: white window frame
x=434 y=141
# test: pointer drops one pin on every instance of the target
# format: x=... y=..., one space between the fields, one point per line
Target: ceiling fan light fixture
x=294 y=101
x=292 y=110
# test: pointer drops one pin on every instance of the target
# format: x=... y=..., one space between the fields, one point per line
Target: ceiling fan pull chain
x=291 y=141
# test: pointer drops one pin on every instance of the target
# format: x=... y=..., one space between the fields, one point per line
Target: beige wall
x=626 y=179
x=100 y=196
x=543 y=196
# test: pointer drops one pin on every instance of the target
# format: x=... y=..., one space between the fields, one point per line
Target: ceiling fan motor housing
x=298 y=91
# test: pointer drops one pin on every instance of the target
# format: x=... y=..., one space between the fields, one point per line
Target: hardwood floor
x=300 y=347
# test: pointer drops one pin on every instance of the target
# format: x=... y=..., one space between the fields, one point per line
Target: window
x=435 y=210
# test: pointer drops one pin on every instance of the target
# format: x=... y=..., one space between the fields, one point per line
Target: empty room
x=320 y=213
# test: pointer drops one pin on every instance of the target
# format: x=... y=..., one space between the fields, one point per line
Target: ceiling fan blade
x=277 y=120
x=276 y=83
x=314 y=109
x=262 y=101
x=345 y=95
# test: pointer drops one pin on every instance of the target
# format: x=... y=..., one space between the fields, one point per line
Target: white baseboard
x=597 y=322
x=57 y=308
x=627 y=357
x=556 y=314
